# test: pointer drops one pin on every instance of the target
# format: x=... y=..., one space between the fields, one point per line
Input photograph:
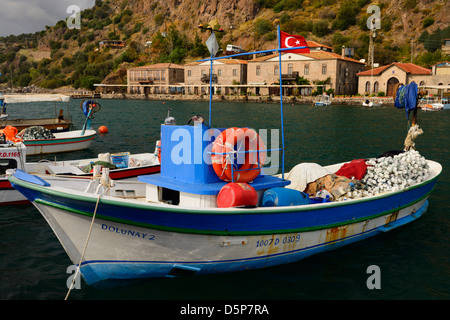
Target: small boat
x=59 y=123
x=61 y=142
x=40 y=140
x=215 y=208
x=368 y=103
x=121 y=166
x=432 y=107
x=325 y=100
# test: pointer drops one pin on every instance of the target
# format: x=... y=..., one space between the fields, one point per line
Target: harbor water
x=413 y=260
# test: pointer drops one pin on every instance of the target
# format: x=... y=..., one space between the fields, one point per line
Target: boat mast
x=279 y=49
x=281 y=103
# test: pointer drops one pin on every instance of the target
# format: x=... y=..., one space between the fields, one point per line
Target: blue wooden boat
x=175 y=222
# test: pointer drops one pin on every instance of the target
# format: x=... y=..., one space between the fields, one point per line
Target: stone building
x=156 y=78
x=228 y=76
x=337 y=71
x=384 y=78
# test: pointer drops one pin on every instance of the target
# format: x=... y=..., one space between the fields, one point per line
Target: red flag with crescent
x=291 y=41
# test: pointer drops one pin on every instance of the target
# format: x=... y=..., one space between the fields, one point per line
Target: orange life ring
x=226 y=143
x=158 y=152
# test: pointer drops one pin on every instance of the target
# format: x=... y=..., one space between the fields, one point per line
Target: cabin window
x=275 y=70
x=234 y=72
x=189 y=73
x=219 y=72
x=258 y=70
x=168 y=196
x=324 y=69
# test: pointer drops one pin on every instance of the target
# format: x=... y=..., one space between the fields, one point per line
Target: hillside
x=58 y=56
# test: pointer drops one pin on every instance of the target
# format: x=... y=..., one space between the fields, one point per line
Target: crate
x=120 y=159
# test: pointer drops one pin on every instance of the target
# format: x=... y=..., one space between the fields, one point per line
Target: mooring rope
x=86 y=243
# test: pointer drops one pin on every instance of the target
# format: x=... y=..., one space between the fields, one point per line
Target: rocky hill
x=59 y=56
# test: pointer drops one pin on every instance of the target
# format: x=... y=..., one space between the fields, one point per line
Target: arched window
x=422 y=83
x=367 y=86
x=375 y=87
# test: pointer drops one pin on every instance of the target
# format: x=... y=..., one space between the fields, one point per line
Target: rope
x=86 y=243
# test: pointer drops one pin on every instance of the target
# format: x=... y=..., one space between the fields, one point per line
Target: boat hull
x=121 y=251
x=135 y=239
x=63 y=142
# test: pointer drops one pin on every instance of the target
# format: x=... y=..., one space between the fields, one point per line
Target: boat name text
x=128 y=232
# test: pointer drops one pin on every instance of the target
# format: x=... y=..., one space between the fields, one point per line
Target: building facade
x=336 y=71
x=156 y=78
x=228 y=76
x=384 y=79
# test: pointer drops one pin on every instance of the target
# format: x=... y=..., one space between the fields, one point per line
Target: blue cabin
x=187 y=176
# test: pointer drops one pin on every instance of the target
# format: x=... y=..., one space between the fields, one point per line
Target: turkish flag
x=292 y=41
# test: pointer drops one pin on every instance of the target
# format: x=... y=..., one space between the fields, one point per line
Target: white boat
x=62 y=142
x=432 y=107
x=206 y=212
x=437 y=103
x=121 y=166
x=325 y=100
x=368 y=103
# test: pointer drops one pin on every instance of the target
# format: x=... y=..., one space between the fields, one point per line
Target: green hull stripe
x=227 y=233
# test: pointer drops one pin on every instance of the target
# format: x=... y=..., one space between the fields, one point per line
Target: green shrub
x=262 y=26
x=428 y=21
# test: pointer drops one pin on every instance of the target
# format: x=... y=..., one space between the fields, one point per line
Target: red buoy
x=236 y=194
x=103 y=129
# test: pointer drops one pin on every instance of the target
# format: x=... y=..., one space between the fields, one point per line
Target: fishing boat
x=40 y=140
x=432 y=107
x=438 y=102
x=59 y=123
x=122 y=165
x=368 y=103
x=214 y=208
x=61 y=142
x=325 y=100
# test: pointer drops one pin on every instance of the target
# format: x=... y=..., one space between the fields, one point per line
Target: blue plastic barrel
x=280 y=197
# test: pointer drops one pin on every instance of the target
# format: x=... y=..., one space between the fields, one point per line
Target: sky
x=30 y=16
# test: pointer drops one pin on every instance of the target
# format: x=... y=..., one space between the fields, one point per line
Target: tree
x=320 y=28
x=346 y=16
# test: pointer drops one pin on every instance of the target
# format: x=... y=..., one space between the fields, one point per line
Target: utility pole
x=370 y=58
x=373 y=34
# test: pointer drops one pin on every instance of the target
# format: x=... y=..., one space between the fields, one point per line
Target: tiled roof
x=314 y=44
x=410 y=68
x=224 y=61
x=318 y=55
x=160 y=66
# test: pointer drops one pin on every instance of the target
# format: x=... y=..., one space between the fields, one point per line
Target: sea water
x=412 y=260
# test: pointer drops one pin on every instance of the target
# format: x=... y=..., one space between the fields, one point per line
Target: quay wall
x=232 y=98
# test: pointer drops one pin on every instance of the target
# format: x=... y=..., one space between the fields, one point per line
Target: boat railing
x=233 y=155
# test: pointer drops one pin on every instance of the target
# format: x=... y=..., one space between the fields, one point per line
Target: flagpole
x=281 y=103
